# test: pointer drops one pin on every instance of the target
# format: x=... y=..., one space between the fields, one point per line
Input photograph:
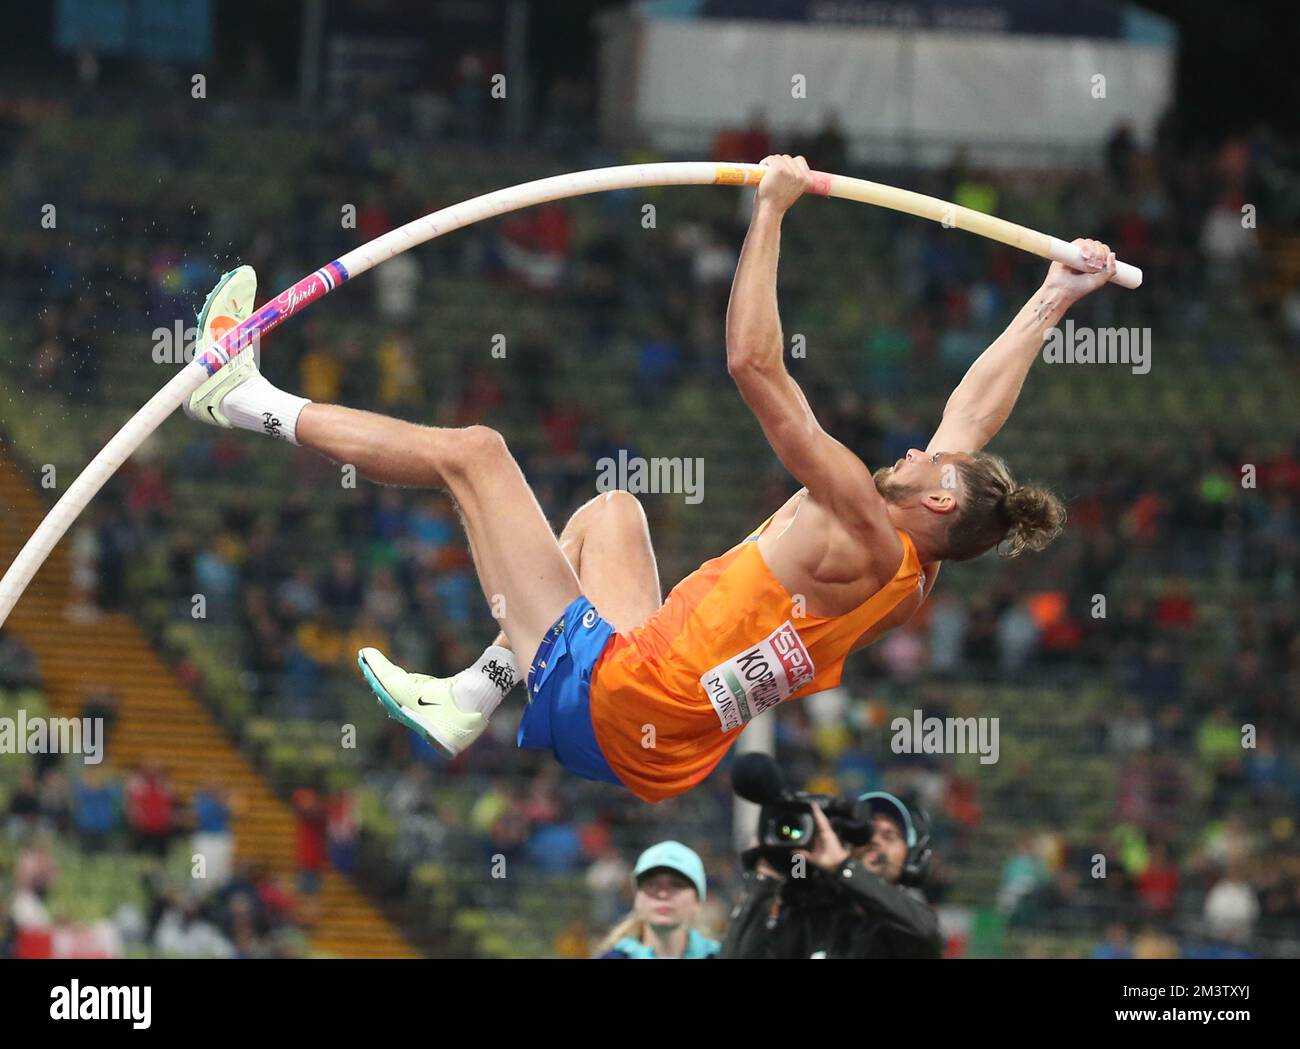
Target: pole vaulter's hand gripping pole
x=558 y=187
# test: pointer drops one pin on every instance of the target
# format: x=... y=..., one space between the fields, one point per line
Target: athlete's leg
x=615 y=559
x=607 y=542
x=520 y=565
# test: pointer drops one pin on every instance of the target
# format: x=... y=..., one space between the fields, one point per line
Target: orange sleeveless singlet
x=669 y=698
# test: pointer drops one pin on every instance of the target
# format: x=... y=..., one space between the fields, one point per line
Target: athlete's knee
x=621 y=507
x=474 y=448
x=602 y=507
x=618 y=510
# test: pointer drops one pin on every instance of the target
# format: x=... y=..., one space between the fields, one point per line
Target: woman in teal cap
x=670 y=890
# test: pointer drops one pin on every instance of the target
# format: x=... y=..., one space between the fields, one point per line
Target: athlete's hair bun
x=1034 y=517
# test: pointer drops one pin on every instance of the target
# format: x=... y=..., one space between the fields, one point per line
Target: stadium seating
x=198 y=690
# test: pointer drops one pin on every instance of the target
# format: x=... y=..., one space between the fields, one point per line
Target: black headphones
x=916 y=829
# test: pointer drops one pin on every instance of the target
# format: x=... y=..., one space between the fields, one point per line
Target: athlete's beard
x=893 y=492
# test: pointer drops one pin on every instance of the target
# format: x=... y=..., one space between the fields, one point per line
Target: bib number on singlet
x=759 y=678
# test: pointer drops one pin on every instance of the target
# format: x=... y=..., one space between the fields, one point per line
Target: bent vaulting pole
x=357 y=261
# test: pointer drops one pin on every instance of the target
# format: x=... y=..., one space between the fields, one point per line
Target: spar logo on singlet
x=759 y=678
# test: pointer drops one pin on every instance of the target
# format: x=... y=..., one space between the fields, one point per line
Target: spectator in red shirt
x=1176 y=609
x=563 y=426
x=535 y=245
x=1143 y=517
x=755 y=141
x=552 y=231
x=748 y=145
x=34 y=875
x=151 y=809
x=540 y=803
x=275 y=895
x=33 y=930
x=1158 y=885
x=482 y=396
x=961 y=803
x=1282 y=472
x=372 y=217
x=311 y=849
x=342 y=825
x=149 y=493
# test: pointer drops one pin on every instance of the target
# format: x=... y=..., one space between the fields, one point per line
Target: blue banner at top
x=162 y=30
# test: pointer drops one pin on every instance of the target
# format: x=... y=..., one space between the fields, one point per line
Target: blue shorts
x=558 y=715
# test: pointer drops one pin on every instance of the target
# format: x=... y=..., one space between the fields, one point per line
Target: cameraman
x=841 y=902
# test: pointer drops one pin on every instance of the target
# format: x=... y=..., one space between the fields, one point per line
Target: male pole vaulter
x=628 y=689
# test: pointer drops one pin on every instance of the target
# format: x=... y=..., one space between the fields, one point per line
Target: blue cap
x=887 y=805
x=673 y=856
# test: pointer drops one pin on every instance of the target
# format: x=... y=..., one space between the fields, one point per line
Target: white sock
x=483 y=686
x=258 y=406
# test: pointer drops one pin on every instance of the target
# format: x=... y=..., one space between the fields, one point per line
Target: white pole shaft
x=558 y=187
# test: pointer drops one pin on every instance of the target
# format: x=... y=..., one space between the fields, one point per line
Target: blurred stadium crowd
x=1121 y=735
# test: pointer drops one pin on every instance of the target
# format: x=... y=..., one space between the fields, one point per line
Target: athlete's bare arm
x=983 y=400
x=836 y=479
